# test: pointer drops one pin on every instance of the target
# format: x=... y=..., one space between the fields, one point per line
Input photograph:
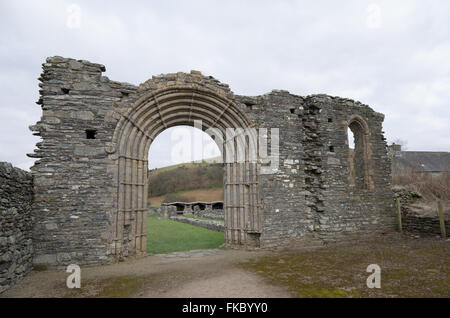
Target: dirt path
x=209 y=273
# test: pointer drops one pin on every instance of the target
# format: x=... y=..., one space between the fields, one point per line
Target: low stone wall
x=15 y=225
x=405 y=196
x=210 y=210
x=424 y=224
x=217 y=214
x=412 y=222
x=207 y=224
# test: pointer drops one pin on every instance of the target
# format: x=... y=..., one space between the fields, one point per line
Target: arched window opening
x=351 y=154
x=357 y=154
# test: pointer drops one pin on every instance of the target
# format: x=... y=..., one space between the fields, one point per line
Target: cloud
x=181 y=144
x=391 y=55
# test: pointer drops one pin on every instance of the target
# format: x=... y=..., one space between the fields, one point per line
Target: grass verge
x=409 y=268
x=114 y=287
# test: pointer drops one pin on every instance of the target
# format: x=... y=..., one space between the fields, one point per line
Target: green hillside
x=185 y=182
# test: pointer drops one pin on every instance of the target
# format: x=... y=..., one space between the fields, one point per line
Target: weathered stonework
x=15 y=225
x=211 y=210
x=313 y=195
x=90 y=194
x=415 y=222
x=424 y=224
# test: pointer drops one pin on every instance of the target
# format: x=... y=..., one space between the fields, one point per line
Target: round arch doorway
x=185 y=180
x=154 y=111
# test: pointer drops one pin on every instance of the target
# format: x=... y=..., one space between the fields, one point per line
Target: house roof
x=421 y=161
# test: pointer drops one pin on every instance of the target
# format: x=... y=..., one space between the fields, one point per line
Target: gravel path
x=201 y=273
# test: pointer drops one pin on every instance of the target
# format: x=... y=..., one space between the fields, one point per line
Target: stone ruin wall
x=310 y=199
x=209 y=212
x=15 y=225
x=312 y=196
x=73 y=185
x=186 y=212
x=429 y=225
x=201 y=209
x=418 y=223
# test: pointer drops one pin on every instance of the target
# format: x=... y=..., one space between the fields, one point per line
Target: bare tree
x=402 y=143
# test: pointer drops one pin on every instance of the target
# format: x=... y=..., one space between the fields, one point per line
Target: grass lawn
x=166 y=236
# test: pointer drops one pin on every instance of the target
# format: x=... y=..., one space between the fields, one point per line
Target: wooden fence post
x=399 y=216
x=441 y=219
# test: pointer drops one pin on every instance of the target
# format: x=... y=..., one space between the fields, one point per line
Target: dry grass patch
x=409 y=268
x=114 y=287
x=205 y=195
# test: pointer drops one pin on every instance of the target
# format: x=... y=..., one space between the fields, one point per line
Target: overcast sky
x=391 y=55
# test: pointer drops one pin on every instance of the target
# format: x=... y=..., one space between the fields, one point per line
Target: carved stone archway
x=151 y=113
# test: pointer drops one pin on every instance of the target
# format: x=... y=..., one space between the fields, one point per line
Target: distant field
x=169 y=168
x=207 y=195
x=166 y=236
x=192 y=164
x=184 y=177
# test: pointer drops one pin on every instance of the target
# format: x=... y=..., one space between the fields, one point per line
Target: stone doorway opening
x=150 y=113
x=185 y=187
